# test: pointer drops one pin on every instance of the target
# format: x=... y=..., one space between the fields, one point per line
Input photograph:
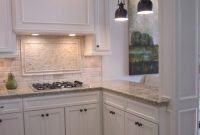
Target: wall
x=115 y=66
x=90 y=70
x=144 y=23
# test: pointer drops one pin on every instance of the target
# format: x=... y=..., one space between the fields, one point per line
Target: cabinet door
x=99 y=43
x=148 y=128
x=55 y=121
x=102 y=26
x=54 y=16
x=131 y=127
x=91 y=119
x=7 y=37
x=74 y=120
x=113 y=121
x=11 y=124
x=34 y=122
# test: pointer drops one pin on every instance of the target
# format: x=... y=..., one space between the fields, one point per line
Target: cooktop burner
x=56 y=85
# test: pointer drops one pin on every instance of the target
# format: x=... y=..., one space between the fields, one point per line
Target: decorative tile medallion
x=50 y=55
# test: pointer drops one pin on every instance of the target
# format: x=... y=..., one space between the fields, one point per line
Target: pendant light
x=121 y=13
x=145 y=7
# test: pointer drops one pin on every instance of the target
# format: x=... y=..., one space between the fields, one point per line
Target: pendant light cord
x=122 y=1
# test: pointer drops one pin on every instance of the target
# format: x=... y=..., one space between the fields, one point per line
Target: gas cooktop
x=56 y=85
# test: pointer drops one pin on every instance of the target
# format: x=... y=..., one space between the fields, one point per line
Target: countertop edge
x=163 y=101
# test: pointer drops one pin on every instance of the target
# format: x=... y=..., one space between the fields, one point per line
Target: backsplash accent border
x=71 y=46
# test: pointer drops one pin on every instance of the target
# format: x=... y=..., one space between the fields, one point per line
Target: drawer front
x=42 y=102
x=114 y=100
x=10 y=106
x=142 y=110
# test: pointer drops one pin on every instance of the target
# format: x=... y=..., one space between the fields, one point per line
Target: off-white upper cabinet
x=54 y=16
x=85 y=17
x=7 y=37
x=99 y=43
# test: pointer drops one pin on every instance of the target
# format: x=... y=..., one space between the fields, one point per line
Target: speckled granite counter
x=135 y=91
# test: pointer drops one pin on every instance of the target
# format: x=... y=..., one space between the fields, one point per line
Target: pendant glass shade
x=145 y=7
x=121 y=13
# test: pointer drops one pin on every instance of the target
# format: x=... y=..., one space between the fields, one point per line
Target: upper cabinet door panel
x=56 y=11
x=54 y=16
x=7 y=37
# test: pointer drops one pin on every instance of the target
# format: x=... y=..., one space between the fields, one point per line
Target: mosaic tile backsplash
x=50 y=55
x=90 y=68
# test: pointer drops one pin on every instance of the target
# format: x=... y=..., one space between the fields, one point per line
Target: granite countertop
x=135 y=91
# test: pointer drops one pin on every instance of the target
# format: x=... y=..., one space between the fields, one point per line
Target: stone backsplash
x=90 y=68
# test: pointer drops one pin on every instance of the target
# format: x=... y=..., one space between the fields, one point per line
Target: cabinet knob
x=81 y=110
x=1 y=120
x=137 y=123
x=98 y=46
x=140 y=124
x=47 y=114
x=42 y=115
x=112 y=112
x=1 y=107
x=85 y=110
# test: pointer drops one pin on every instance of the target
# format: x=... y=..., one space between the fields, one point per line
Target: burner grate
x=56 y=85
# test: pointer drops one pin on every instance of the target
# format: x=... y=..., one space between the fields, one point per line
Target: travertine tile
x=90 y=70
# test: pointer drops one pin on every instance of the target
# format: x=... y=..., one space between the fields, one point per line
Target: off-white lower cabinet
x=80 y=114
x=11 y=124
x=82 y=120
x=123 y=116
x=45 y=122
x=138 y=126
x=66 y=114
x=113 y=121
x=118 y=122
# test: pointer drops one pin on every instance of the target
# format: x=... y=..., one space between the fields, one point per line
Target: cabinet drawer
x=114 y=100
x=42 y=102
x=10 y=106
x=145 y=111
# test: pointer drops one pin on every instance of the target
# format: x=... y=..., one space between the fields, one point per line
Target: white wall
x=116 y=65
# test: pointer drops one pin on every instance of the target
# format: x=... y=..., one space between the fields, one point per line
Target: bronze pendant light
x=121 y=13
x=145 y=7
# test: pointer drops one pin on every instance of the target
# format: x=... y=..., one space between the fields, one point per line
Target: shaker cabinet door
x=34 y=122
x=55 y=121
x=148 y=128
x=45 y=122
x=54 y=16
x=11 y=124
x=113 y=121
x=131 y=125
x=7 y=37
x=74 y=120
x=83 y=120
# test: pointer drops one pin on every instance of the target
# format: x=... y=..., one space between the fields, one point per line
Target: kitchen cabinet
x=7 y=37
x=139 y=126
x=136 y=118
x=89 y=18
x=45 y=122
x=99 y=43
x=11 y=124
x=113 y=121
x=54 y=16
x=83 y=120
